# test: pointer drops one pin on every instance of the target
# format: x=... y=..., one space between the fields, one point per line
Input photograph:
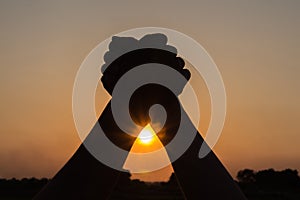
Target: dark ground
x=261 y=185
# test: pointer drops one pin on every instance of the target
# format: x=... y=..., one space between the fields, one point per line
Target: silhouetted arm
x=83 y=176
x=204 y=178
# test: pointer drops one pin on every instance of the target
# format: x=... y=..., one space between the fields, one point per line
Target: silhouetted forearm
x=204 y=178
x=84 y=177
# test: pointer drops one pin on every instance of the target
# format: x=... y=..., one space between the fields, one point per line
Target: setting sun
x=141 y=164
x=146 y=136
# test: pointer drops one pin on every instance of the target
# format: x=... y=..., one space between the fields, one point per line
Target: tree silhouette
x=270 y=184
x=246 y=176
x=257 y=185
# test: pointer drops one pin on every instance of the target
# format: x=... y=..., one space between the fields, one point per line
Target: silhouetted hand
x=139 y=106
x=149 y=95
x=145 y=96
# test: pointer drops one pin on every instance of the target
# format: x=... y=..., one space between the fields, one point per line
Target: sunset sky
x=255 y=44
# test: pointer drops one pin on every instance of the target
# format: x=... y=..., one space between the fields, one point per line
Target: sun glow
x=146 y=136
x=142 y=159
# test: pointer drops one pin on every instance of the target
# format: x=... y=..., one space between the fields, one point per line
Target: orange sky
x=254 y=43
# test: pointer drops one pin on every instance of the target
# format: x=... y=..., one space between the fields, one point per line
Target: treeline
x=257 y=185
x=270 y=184
x=25 y=188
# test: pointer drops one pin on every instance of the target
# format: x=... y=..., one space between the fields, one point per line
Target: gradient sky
x=254 y=43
